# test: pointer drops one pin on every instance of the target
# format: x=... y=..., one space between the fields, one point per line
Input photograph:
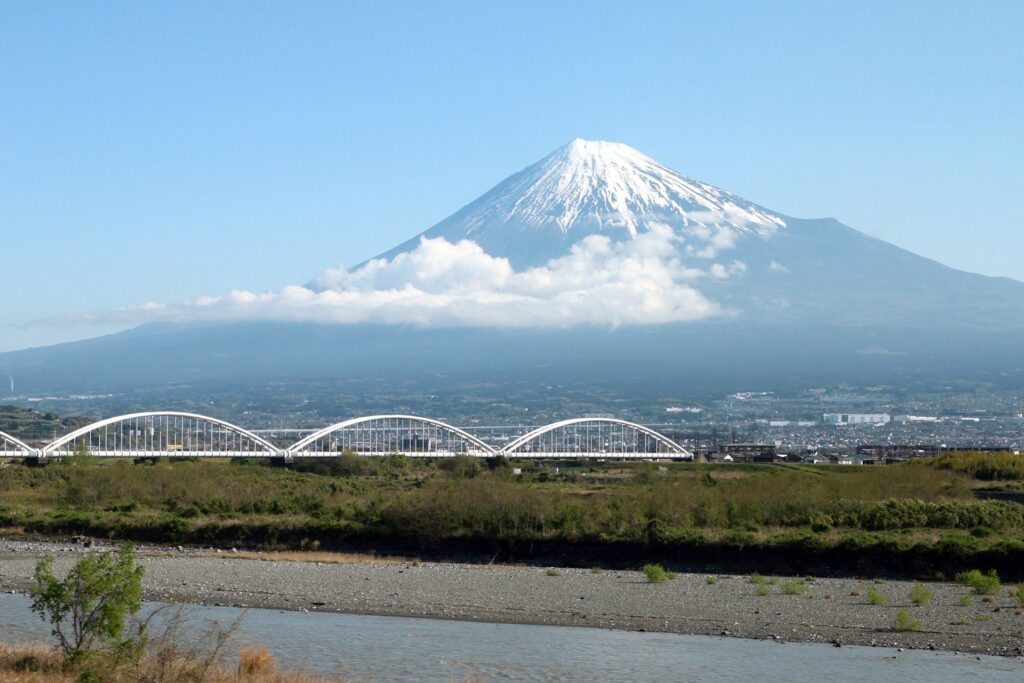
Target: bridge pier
x=282 y=460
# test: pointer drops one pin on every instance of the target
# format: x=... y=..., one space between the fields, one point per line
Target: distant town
x=842 y=424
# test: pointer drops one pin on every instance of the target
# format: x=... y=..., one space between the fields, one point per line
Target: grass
x=982 y=466
x=962 y=622
x=1018 y=593
x=711 y=580
x=920 y=594
x=887 y=518
x=983 y=617
x=904 y=622
x=655 y=573
x=981 y=584
x=876 y=597
x=552 y=572
x=763 y=589
x=965 y=601
x=40 y=664
x=597 y=570
x=794 y=587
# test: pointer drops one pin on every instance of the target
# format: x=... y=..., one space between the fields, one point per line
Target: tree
x=87 y=610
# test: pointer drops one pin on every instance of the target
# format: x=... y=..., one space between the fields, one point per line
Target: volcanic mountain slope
x=596 y=187
x=761 y=264
x=806 y=298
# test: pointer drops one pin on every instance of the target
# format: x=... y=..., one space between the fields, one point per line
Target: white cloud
x=776 y=267
x=443 y=284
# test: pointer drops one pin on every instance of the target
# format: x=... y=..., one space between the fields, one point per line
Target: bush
x=984 y=466
x=256 y=663
x=920 y=594
x=655 y=573
x=460 y=466
x=87 y=609
x=794 y=587
x=982 y=584
x=552 y=572
x=904 y=622
x=711 y=580
x=763 y=589
x=1020 y=595
x=876 y=597
x=597 y=570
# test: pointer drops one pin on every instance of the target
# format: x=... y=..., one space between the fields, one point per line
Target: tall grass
x=982 y=584
x=226 y=503
x=983 y=466
x=920 y=594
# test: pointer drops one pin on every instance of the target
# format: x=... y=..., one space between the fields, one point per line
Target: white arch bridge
x=181 y=434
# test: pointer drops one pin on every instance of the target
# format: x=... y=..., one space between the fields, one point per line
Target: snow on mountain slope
x=597 y=187
x=754 y=262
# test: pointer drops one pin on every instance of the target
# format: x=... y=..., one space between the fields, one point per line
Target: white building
x=842 y=419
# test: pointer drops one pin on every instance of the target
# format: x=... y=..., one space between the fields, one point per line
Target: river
x=382 y=649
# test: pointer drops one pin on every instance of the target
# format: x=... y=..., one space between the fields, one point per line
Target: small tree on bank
x=87 y=610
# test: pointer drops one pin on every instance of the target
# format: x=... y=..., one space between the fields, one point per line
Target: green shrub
x=763 y=580
x=1020 y=595
x=552 y=572
x=597 y=570
x=794 y=587
x=876 y=597
x=763 y=589
x=904 y=622
x=655 y=573
x=982 y=584
x=965 y=601
x=87 y=610
x=711 y=580
x=920 y=594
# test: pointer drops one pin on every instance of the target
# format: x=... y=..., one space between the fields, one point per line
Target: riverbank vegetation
x=918 y=519
x=94 y=614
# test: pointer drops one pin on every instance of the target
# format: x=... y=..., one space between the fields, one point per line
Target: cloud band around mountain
x=600 y=282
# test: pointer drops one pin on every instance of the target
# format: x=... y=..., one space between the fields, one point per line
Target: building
x=751 y=452
x=844 y=419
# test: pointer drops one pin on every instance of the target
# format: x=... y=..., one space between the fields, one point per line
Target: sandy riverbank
x=831 y=610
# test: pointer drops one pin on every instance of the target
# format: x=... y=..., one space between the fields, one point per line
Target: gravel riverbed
x=830 y=610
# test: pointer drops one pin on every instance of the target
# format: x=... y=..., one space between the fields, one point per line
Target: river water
x=366 y=648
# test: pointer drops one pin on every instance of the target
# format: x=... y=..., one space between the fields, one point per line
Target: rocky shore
x=826 y=610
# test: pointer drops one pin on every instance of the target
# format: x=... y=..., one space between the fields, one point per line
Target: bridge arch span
x=11 y=446
x=410 y=435
x=594 y=437
x=162 y=433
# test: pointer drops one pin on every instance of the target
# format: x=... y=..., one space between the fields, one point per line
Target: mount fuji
x=782 y=269
x=779 y=296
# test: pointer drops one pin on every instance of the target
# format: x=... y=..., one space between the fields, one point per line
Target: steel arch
x=52 y=448
x=19 y=445
x=671 y=445
x=295 y=448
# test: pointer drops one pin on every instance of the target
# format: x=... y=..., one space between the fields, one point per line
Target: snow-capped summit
x=595 y=186
x=754 y=262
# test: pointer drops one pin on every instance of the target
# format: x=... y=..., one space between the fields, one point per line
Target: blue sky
x=161 y=151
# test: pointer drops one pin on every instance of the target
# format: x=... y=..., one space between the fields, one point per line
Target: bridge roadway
x=181 y=434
